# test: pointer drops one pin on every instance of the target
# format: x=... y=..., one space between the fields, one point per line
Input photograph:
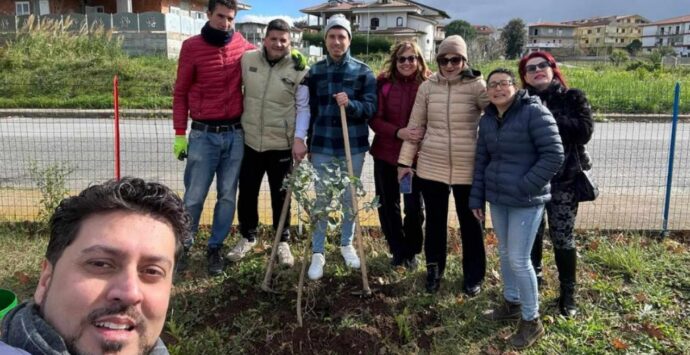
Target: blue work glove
x=298 y=59
x=180 y=147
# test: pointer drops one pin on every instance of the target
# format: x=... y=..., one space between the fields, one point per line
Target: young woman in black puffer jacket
x=541 y=76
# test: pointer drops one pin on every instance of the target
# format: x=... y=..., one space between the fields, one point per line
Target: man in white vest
x=275 y=122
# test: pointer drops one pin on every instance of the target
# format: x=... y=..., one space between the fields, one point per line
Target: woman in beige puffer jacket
x=449 y=105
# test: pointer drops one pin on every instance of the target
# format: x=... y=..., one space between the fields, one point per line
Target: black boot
x=536 y=253
x=215 y=261
x=433 y=277
x=566 y=261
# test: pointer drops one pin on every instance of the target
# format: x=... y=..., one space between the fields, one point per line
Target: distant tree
x=363 y=44
x=300 y=24
x=462 y=28
x=313 y=39
x=513 y=37
x=634 y=47
x=485 y=49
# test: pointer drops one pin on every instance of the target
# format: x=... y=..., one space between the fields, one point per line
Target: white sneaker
x=284 y=255
x=350 y=256
x=240 y=250
x=316 y=267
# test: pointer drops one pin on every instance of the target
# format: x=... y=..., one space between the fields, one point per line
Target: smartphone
x=406 y=184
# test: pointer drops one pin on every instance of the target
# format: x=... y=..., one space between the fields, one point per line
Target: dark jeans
x=275 y=163
x=404 y=236
x=435 y=245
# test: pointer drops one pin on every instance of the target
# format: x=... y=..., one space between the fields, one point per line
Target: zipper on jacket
x=450 y=147
x=263 y=105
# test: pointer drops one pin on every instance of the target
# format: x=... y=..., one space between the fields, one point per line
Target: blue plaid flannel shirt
x=327 y=78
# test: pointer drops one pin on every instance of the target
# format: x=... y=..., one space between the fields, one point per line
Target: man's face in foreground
x=109 y=291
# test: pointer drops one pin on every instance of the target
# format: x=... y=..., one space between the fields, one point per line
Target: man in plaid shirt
x=338 y=80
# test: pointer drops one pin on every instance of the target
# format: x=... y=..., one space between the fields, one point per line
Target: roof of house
x=679 y=19
x=551 y=24
x=334 y=6
x=349 y=5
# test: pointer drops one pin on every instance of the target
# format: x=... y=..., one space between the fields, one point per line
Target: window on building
x=22 y=8
x=596 y=41
x=589 y=32
x=399 y=22
x=598 y=30
x=534 y=41
x=374 y=23
x=536 y=32
x=586 y=41
x=677 y=29
x=662 y=31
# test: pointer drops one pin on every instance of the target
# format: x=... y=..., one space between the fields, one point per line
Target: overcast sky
x=499 y=12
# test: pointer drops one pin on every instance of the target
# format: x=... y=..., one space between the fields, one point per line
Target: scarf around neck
x=25 y=329
x=216 y=37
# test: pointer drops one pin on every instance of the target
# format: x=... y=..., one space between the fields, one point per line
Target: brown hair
x=390 y=68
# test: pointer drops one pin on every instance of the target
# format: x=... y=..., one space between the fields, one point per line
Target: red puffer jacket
x=209 y=81
x=395 y=105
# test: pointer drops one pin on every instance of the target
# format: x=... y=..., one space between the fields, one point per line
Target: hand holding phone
x=406 y=184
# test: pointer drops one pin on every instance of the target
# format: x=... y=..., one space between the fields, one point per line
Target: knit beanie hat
x=452 y=45
x=339 y=20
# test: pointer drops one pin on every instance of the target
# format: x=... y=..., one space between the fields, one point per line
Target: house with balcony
x=144 y=26
x=672 y=32
x=397 y=20
x=600 y=35
x=557 y=38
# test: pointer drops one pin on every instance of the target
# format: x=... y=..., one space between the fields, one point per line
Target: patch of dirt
x=335 y=320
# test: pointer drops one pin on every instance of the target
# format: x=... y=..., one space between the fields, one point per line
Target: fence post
x=672 y=151
x=116 y=105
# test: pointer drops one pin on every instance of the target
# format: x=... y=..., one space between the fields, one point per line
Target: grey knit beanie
x=452 y=45
x=338 y=20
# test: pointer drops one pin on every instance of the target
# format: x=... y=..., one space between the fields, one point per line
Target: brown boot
x=528 y=331
x=506 y=311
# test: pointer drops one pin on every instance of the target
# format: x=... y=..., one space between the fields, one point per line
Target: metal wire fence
x=630 y=154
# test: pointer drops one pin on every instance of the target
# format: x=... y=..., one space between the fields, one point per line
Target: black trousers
x=436 y=243
x=275 y=163
x=404 y=237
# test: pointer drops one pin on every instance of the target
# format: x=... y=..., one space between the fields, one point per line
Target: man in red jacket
x=208 y=89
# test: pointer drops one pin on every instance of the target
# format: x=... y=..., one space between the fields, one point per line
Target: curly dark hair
x=128 y=194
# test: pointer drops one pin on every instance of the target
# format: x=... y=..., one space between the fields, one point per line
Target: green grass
x=49 y=68
x=634 y=296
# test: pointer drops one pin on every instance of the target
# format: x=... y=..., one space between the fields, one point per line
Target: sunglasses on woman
x=443 y=61
x=533 y=67
x=411 y=59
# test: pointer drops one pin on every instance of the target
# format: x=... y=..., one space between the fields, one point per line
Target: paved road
x=630 y=158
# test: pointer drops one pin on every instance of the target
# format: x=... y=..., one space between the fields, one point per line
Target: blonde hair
x=390 y=68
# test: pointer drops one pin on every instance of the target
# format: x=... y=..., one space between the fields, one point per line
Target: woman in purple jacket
x=397 y=87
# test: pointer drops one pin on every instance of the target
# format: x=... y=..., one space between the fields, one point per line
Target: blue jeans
x=515 y=230
x=348 y=222
x=209 y=155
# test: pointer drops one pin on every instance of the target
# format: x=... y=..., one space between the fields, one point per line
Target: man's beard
x=112 y=346
x=106 y=346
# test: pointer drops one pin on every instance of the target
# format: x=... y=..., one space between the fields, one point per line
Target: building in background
x=557 y=38
x=672 y=32
x=601 y=35
x=145 y=27
x=394 y=19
